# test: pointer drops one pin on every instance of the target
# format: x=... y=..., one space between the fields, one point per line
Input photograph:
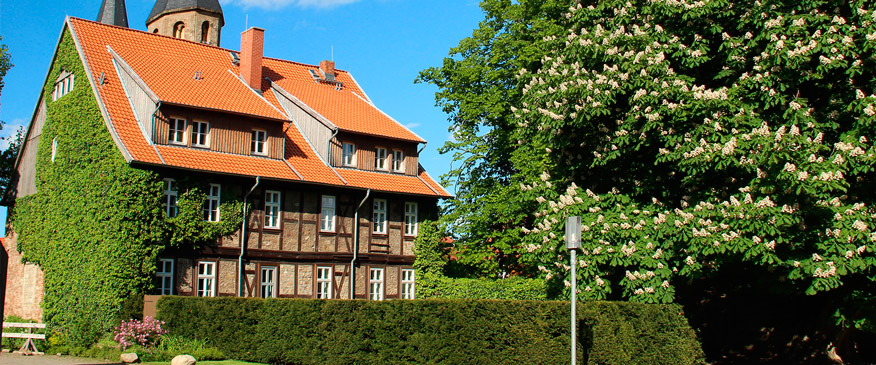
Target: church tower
x=194 y=20
x=113 y=12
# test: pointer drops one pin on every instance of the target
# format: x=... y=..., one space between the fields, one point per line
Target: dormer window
x=257 y=147
x=200 y=134
x=63 y=86
x=177 y=131
x=380 y=158
x=349 y=157
x=398 y=161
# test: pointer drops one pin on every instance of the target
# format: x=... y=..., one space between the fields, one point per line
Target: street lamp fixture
x=573 y=243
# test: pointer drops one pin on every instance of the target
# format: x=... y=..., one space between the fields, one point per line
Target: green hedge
x=437 y=286
x=305 y=331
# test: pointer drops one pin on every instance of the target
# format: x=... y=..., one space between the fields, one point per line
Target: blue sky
x=383 y=43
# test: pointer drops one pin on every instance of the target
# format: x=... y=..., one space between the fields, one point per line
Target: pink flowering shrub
x=134 y=332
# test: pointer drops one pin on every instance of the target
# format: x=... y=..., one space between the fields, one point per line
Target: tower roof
x=113 y=12
x=172 y=6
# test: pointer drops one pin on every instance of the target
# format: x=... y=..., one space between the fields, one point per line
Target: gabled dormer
x=353 y=151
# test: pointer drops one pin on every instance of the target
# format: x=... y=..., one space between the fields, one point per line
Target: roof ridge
x=300 y=63
x=152 y=34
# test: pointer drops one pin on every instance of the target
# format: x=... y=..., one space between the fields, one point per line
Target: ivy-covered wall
x=96 y=224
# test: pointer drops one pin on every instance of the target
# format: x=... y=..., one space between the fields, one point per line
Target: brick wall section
x=24 y=284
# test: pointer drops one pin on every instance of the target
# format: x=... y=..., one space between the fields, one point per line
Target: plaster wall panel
x=327 y=243
x=395 y=242
x=308 y=237
x=391 y=281
x=271 y=240
x=408 y=248
x=184 y=275
x=343 y=278
x=288 y=279
x=305 y=280
x=227 y=278
x=362 y=282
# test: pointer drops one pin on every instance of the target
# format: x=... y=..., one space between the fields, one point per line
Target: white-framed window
x=63 y=87
x=379 y=221
x=272 y=209
x=258 y=141
x=380 y=158
x=177 y=131
x=268 y=282
x=54 y=148
x=171 y=192
x=211 y=206
x=164 y=277
x=408 y=284
x=349 y=154
x=410 y=219
x=327 y=217
x=206 y=279
x=375 y=284
x=398 y=161
x=200 y=134
x=324 y=282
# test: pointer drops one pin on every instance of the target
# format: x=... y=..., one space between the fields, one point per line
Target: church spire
x=113 y=12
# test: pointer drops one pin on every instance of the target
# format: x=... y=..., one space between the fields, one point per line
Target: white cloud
x=277 y=4
x=412 y=125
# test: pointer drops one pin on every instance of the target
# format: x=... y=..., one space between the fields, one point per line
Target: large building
x=334 y=183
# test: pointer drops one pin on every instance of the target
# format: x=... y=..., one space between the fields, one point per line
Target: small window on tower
x=205 y=29
x=178 y=29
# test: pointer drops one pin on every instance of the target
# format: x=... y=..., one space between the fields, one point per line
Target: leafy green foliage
x=7 y=156
x=435 y=273
x=5 y=62
x=477 y=88
x=431 y=285
x=688 y=135
x=189 y=227
x=96 y=224
x=431 y=331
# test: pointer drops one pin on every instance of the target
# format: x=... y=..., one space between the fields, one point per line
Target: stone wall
x=24 y=284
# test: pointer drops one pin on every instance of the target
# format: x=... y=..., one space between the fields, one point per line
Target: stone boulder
x=129 y=358
x=184 y=360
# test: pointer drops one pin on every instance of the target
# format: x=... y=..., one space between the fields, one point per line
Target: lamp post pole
x=573 y=243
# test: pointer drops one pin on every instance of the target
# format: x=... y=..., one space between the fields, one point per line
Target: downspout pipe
x=356 y=245
x=240 y=278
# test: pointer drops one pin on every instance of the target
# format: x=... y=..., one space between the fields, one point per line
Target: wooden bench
x=29 y=347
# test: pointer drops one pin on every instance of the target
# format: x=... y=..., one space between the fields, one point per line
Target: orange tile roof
x=158 y=61
x=347 y=108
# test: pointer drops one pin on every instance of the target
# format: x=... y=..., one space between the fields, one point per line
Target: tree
x=5 y=62
x=712 y=142
x=478 y=88
x=7 y=157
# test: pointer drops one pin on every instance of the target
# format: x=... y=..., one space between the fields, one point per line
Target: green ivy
x=96 y=225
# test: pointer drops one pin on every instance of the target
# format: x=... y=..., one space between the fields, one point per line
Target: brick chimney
x=328 y=69
x=252 y=44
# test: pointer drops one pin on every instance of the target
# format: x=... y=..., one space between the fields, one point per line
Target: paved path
x=16 y=359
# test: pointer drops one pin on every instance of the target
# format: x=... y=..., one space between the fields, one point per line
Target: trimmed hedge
x=436 y=286
x=306 y=331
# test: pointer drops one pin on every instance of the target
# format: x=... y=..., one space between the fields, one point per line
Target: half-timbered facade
x=334 y=183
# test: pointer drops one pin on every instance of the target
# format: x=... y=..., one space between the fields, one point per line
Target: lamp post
x=573 y=243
